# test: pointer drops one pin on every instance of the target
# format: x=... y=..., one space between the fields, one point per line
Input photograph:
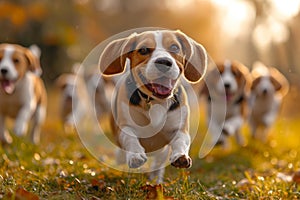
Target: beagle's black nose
x=227 y=86
x=163 y=64
x=3 y=71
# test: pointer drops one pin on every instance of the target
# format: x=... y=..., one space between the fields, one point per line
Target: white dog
x=22 y=92
x=268 y=88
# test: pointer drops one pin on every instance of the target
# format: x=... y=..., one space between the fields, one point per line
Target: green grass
x=61 y=168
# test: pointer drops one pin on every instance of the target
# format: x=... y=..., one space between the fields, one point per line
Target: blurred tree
x=68 y=30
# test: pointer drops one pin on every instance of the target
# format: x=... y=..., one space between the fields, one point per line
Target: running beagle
x=22 y=92
x=230 y=88
x=268 y=88
x=74 y=98
x=150 y=108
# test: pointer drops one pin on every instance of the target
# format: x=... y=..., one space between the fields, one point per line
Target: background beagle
x=74 y=97
x=22 y=92
x=150 y=109
x=268 y=88
x=229 y=88
x=100 y=90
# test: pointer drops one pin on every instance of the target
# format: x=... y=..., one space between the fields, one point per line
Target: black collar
x=135 y=95
x=240 y=99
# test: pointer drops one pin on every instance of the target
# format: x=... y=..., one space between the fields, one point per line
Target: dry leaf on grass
x=22 y=194
x=296 y=176
x=155 y=192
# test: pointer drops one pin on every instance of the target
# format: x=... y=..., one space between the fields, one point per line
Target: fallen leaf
x=98 y=184
x=22 y=194
x=155 y=192
x=296 y=176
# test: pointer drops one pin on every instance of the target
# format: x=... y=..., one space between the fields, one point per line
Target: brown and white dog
x=22 y=92
x=99 y=90
x=228 y=86
x=74 y=98
x=150 y=108
x=268 y=88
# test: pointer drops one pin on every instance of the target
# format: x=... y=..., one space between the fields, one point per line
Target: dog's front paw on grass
x=183 y=161
x=136 y=160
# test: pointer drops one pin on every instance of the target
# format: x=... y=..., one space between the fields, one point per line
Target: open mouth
x=228 y=95
x=8 y=86
x=161 y=87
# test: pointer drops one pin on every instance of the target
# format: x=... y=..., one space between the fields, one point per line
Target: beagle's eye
x=174 y=48
x=144 y=50
x=16 y=60
x=235 y=73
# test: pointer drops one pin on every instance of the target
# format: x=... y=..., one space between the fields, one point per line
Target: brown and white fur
x=268 y=88
x=73 y=98
x=228 y=86
x=150 y=108
x=22 y=92
x=99 y=90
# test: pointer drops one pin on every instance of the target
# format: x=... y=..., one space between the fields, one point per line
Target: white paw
x=267 y=121
x=228 y=130
x=6 y=138
x=136 y=160
x=20 y=130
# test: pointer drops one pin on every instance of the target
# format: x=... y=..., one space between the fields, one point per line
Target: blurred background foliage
x=246 y=30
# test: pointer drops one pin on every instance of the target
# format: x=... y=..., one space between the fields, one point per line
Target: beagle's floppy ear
x=243 y=73
x=113 y=58
x=254 y=83
x=33 y=62
x=277 y=85
x=61 y=81
x=280 y=83
x=195 y=58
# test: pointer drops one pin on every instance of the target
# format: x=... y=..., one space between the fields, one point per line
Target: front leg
x=270 y=117
x=232 y=125
x=135 y=153
x=180 y=146
x=5 y=138
x=22 y=120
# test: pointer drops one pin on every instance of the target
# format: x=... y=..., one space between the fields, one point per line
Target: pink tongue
x=163 y=86
x=8 y=86
x=228 y=96
x=162 y=89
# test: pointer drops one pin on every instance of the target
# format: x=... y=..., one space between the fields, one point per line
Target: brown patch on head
x=142 y=50
x=221 y=68
x=20 y=62
x=255 y=82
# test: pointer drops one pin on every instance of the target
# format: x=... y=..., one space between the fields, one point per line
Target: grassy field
x=61 y=168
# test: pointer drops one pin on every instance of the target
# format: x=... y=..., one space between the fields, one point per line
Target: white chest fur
x=22 y=96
